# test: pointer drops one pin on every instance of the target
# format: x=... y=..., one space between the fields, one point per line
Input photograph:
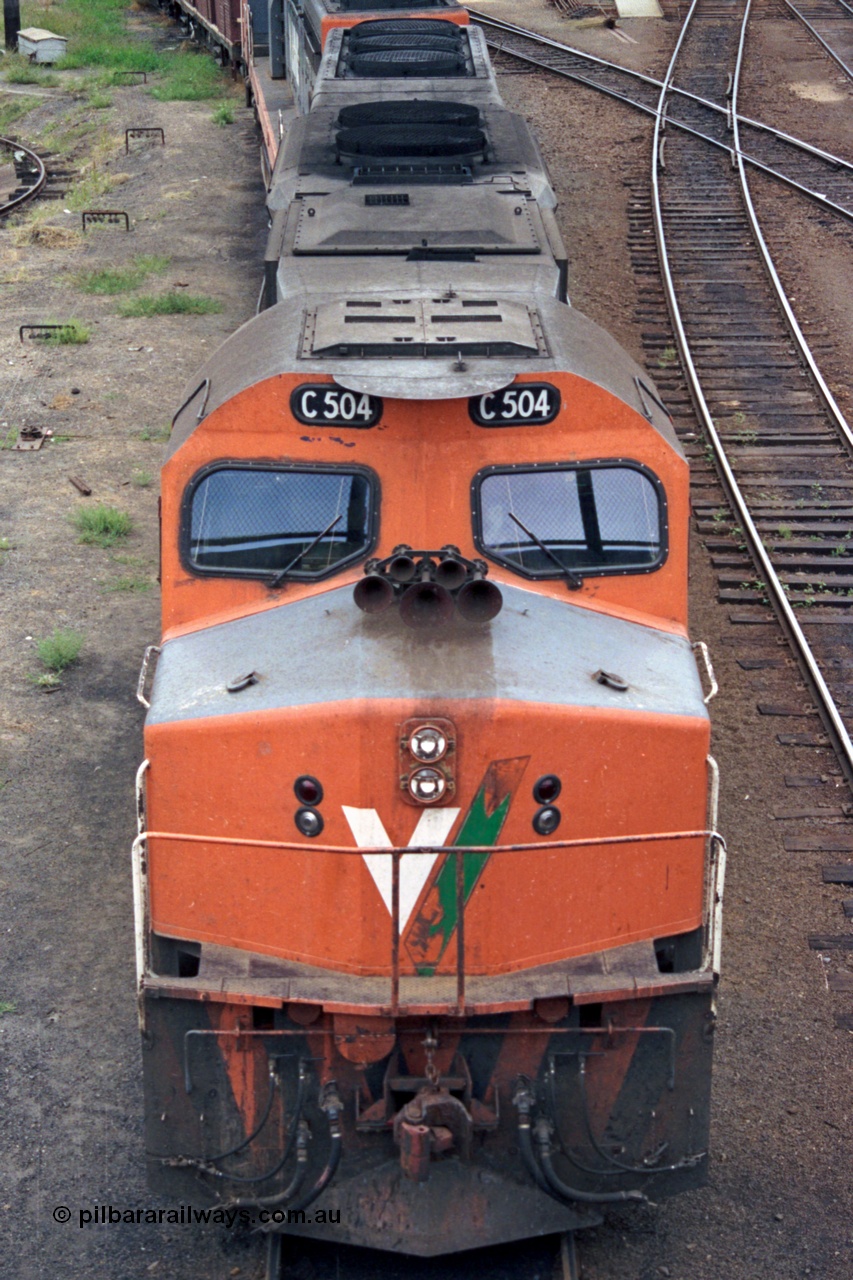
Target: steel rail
x=16 y=201
x=791 y=320
x=775 y=590
x=628 y=72
x=818 y=197
x=826 y=45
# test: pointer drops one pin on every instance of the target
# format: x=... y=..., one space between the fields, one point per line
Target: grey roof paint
x=267 y=346
x=323 y=649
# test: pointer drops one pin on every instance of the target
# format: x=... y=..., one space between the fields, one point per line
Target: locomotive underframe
x=620 y=1087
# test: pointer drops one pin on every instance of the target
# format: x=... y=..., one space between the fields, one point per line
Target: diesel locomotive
x=427 y=881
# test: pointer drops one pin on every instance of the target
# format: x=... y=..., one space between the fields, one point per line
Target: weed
x=7 y=1006
x=840 y=549
x=85 y=193
x=140 y=478
x=12 y=111
x=100 y=525
x=745 y=437
x=112 y=280
x=738 y=418
x=19 y=70
x=158 y=434
x=170 y=304
x=99 y=100
x=190 y=76
x=47 y=681
x=223 y=114
x=60 y=650
x=667 y=357
x=5 y=545
x=718 y=517
x=72 y=334
x=8 y=441
x=785 y=531
x=130 y=584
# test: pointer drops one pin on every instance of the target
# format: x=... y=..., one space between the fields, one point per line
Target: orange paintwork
x=330 y=22
x=233 y=776
x=425 y=454
x=624 y=773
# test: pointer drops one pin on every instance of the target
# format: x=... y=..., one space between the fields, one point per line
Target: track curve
x=30 y=173
x=817 y=174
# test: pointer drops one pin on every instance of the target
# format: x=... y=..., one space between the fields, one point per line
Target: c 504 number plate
x=322 y=404
x=524 y=404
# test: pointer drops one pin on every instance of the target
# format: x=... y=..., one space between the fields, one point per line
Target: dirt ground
x=778 y=1203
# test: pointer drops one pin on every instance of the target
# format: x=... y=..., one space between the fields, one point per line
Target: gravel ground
x=70 y=1129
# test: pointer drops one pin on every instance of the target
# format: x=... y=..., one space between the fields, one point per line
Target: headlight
x=426 y=786
x=428 y=743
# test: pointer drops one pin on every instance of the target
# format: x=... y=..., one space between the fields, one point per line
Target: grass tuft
x=129 y=584
x=190 y=76
x=158 y=434
x=140 y=478
x=112 y=280
x=170 y=304
x=101 y=526
x=72 y=334
x=7 y=1006
x=223 y=114
x=19 y=70
x=60 y=650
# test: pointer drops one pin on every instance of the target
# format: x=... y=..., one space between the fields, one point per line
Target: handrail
x=458 y=852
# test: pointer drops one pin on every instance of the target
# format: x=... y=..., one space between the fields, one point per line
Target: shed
x=41 y=46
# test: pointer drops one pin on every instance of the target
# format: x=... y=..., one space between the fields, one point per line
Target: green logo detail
x=435 y=922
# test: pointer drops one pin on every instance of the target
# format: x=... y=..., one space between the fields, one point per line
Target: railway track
x=782 y=446
x=830 y=22
x=703 y=110
x=24 y=172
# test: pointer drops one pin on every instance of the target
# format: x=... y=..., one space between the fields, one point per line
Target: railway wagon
x=218 y=24
x=427 y=880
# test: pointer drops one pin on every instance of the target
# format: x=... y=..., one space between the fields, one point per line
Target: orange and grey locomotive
x=427 y=880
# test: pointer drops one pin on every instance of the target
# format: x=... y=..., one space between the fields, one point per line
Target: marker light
x=308 y=790
x=427 y=786
x=309 y=821
x=546 y=790
x=546 y=821
x=428 y=743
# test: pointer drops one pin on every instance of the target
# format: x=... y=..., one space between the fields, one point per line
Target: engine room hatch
x=479 y=219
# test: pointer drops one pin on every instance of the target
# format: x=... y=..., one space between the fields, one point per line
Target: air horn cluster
x=427 y=585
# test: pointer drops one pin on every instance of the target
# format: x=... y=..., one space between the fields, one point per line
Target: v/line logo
x=428 y=929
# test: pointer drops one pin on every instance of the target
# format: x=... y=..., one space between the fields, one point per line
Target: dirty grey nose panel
x=324 y=649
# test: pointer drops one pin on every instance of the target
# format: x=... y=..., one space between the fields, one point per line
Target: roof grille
x=372 y=199
x=358 y=330
x=433 y=174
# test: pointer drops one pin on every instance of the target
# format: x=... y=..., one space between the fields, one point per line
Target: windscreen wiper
x=279 y=578
x=573 y=581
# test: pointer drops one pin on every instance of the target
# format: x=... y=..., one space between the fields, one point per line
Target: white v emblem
x=433 y=828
